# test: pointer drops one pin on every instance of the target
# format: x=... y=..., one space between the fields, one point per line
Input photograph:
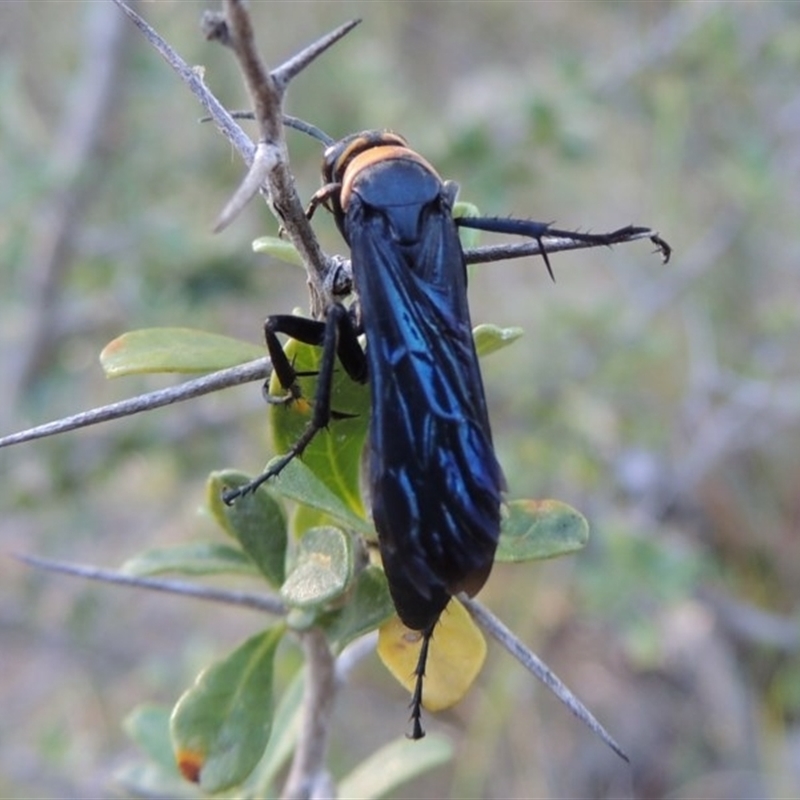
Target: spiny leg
x=416 y=698
x=537 y=230
x=337 y=326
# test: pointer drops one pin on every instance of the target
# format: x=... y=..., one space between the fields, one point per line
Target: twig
x=270 y=167
x=193 y=78
x=308 y=777
x=259 y=602
x=498 y=631
x=252 y=371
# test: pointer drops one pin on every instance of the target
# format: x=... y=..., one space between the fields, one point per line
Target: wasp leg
x=416 y=699
x=322 y=198
x=536 y=230
x=336 y=334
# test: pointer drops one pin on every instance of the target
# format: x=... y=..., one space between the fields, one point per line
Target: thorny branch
x=252 y=371
x=268 y=160
x=308 y=776
x=270 y=167
x=259 y=602
x=308 y=773
x=504 y=636
x=193 y=78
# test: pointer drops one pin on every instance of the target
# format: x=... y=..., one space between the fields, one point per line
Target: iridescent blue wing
x=435 y=482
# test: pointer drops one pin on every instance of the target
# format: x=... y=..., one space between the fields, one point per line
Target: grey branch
x=298 y=63
x=252 y=371
x=308 y=776
x=270 y=170
x=270 y=174
x=193 y=78
x=498 y=631
x=259 y=602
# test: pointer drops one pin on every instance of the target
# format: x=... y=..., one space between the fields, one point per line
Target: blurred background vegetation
x=664 y=402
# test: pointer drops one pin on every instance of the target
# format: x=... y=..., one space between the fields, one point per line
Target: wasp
x=435 y=483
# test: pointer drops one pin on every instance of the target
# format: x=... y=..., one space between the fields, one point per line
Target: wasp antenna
x=291 y=68
x=306 y=127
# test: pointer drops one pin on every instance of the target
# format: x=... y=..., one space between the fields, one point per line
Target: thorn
x=289 y=69
x=546 y=259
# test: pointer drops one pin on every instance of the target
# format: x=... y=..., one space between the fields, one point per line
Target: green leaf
x=221 y=725
x=278 y=248
x=323 y=568
x=194 y=558
x=491 y=338
x=395 y=764
x=305 y=517
x=538 y=529
x=146 y=779
x=369 y=606
x=297 y=482
x=148 y=727
x=182 y=350
x=256 y=521
x=469 y=236
x=334 y=455
x=464 y=209
x=282 y=739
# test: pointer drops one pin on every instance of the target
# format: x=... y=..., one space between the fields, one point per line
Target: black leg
x=335 y=334
x=536 y=230
x=308 y=331
x=416 y=698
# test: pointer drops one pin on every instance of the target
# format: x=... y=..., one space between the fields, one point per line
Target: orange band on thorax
x=372 y=156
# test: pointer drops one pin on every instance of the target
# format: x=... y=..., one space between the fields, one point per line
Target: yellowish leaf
x=455 y=657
